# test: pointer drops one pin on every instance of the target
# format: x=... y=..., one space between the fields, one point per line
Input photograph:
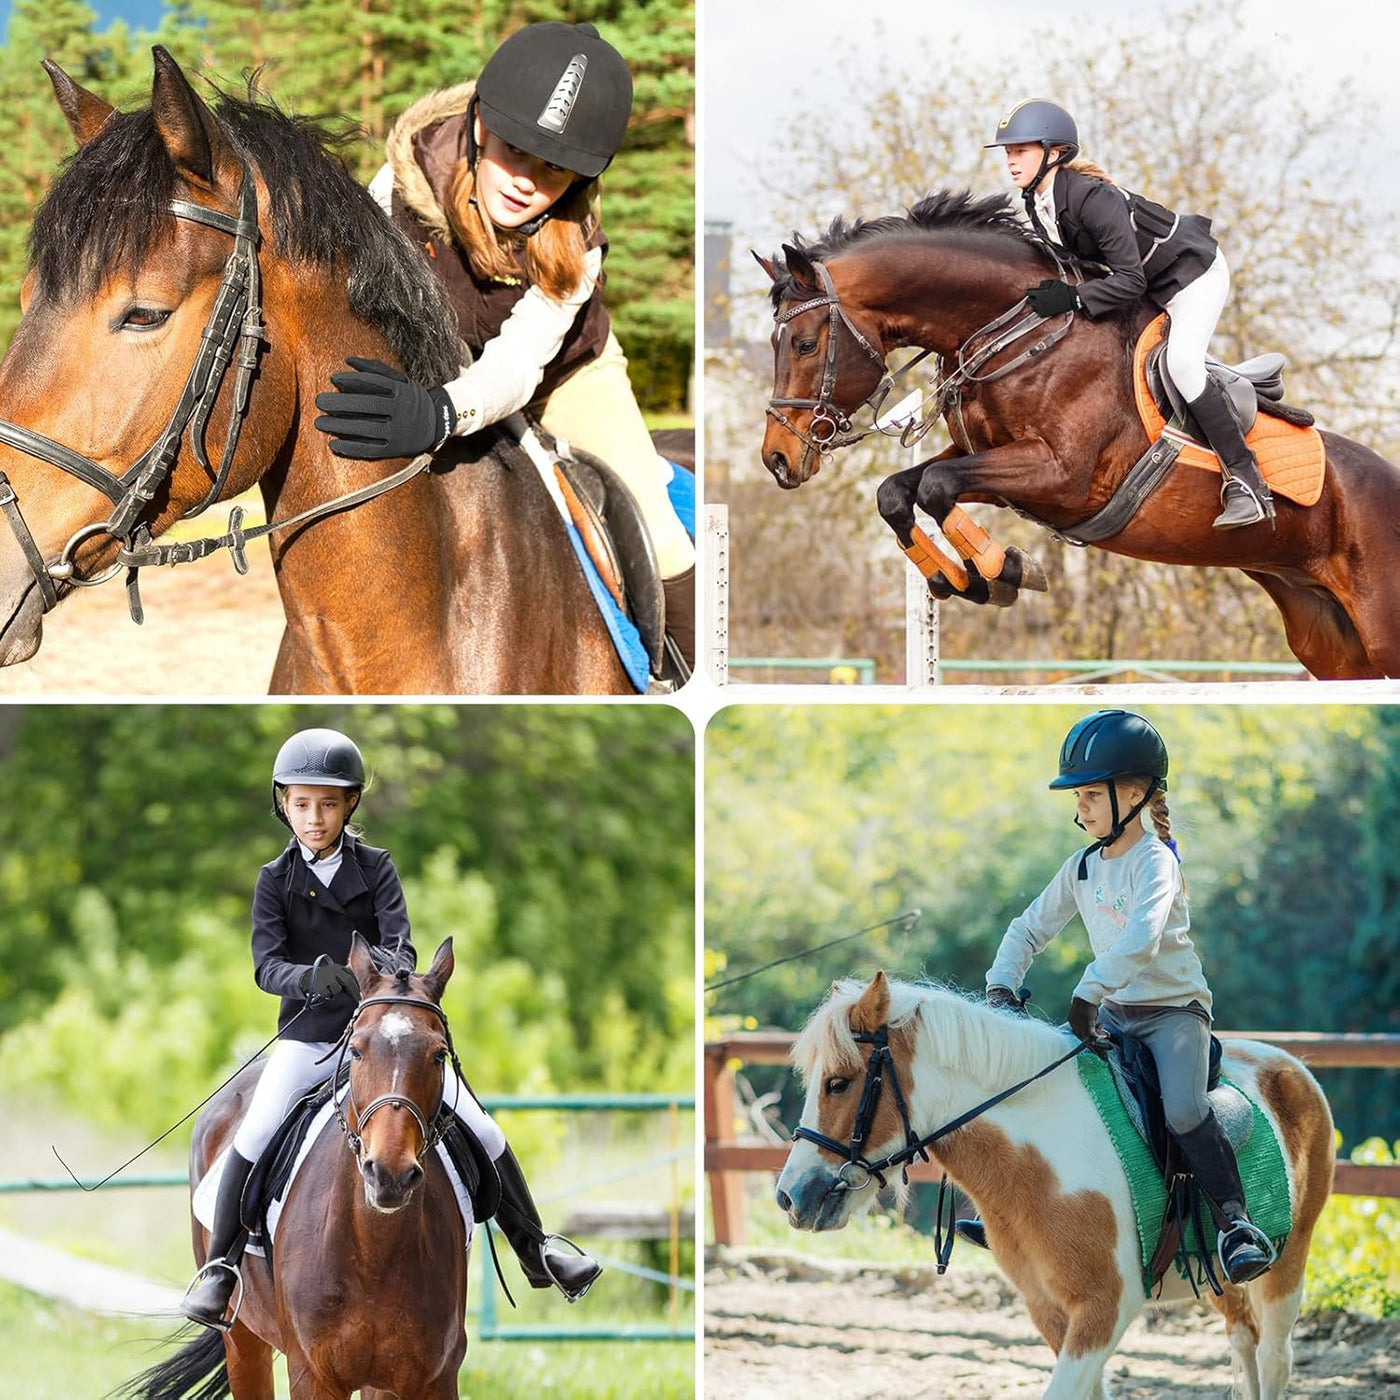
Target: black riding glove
x=378 y=412
x=1048 y=298
x=1006 y=1000
x=1083 y=1015
x=325 y=979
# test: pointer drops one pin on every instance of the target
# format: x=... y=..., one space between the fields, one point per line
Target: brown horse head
x=397 y=1046
x=828 y=362
x=168 y=223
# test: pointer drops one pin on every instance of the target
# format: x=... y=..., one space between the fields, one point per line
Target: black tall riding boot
x=207 y=1298
x=1244 y=495
x=571 y=1274
x=680 y=616
x=1245 y=1251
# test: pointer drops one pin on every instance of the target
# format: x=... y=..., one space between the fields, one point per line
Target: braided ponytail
x=1162 y=823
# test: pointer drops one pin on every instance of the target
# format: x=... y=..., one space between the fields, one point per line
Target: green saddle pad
x=1261 y=1171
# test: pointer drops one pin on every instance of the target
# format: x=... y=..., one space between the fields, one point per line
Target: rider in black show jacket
x=1095 y=222
x=296 y=919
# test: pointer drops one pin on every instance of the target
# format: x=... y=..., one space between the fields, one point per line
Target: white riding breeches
x=292 y=1070
x=1195 y=312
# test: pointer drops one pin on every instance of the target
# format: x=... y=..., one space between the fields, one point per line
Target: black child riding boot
x=207 y=1298
x=1245 y=1251
x=680 y=616
x=571 y=1274
x=1244 y=495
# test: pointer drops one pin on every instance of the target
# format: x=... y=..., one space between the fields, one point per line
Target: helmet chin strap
x=1120 y=824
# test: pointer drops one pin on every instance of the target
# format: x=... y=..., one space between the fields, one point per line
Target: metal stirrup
x=221 y=1325
x=569 y=1296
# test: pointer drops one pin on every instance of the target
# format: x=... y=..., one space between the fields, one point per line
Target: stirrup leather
x=569 y=1296
x=221 y=1325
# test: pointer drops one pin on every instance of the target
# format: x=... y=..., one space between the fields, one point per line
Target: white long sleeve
x=506 y=374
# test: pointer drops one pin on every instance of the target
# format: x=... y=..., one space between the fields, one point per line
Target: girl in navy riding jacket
x=1145 y=250
x=308 y=905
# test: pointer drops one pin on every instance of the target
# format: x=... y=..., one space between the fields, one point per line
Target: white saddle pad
x=207 y=1192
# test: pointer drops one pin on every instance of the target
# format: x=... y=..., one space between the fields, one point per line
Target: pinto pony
x=1039 y=1166
x=367 y=1289
x=1053 y=435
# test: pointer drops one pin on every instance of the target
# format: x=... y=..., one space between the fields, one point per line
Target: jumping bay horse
x=367 y=1290
x=1055 y=436
x=197 y=274
x=1039 y=1166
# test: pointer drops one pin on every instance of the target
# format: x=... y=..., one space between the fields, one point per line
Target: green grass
x=53 y=1352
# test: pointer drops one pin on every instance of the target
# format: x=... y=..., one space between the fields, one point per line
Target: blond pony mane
x=958 y=1033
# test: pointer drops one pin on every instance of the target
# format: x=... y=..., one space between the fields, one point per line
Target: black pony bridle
x=431 y=1127
x=235 y=324
x=881 y=1064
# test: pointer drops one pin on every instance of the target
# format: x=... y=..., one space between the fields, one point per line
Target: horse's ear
x=360 y=961
x=436 y=977
x=765 y=263
x=873 y=1009
x=85 y=112
x=190 y=131
x=799 y=265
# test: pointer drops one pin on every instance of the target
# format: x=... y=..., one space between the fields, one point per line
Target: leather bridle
x=431 y=1127
x=235 y=324
x=880 y=1064
x=830 y=426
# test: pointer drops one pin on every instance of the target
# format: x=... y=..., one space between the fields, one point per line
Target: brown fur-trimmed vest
x=424 y=148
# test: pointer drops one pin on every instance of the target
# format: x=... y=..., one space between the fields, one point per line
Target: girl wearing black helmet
x=326 y=886
x=1148 y=251
x=1145 y=980
x=497 y=180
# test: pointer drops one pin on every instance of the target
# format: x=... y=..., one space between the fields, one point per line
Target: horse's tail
x=1299 y=417
x=201 y=1363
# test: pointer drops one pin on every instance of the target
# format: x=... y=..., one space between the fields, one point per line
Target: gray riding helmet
x=319 y=757
x=1036 y=122
x=560 y=92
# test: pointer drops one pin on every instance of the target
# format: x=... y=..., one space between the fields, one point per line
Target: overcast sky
x=752 y=72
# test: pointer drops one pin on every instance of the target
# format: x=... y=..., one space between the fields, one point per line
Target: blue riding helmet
x=1111 y=744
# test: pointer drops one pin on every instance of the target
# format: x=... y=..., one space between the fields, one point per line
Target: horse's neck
x=936 y=299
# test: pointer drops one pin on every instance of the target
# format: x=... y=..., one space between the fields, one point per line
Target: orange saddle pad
x=1291 y=458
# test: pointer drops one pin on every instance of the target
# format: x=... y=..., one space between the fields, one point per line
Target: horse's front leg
x=983 y=571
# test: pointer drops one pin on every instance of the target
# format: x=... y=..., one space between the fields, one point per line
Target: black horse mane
x=110 y=202
x=957 y=212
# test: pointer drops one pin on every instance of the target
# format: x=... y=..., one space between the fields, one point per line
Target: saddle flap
x=1243 y=393
x=629 y=543
x=585 y=496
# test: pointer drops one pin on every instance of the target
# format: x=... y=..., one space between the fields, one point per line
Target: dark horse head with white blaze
x=1041 y=417
x=1040 y=1165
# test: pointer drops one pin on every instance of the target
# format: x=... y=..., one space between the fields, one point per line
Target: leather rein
x=831 y=428
x=235 y=325
x=431 y=1128
x=880 y=1065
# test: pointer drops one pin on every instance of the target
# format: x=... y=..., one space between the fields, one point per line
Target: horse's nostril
x=784 y=1200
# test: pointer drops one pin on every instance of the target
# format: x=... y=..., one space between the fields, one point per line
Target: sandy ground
x=789 y=1328
x=208 y=631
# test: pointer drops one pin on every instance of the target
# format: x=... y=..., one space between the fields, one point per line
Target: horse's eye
x=143 y=318
x=806 y=347
x=355 y=1054
x=837 y=1085
x=440 y=1058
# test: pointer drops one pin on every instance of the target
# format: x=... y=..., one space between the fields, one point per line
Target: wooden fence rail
x=727 y=1159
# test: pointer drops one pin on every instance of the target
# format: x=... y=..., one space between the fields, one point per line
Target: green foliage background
x=553 y=844
x=824 y=819
x=367 y=60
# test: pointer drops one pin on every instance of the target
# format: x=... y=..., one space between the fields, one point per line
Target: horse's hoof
x=1001 y=594
x=1023 y=571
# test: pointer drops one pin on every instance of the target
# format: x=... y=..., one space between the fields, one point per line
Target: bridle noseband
x=430 y=1128
x=235 y=322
